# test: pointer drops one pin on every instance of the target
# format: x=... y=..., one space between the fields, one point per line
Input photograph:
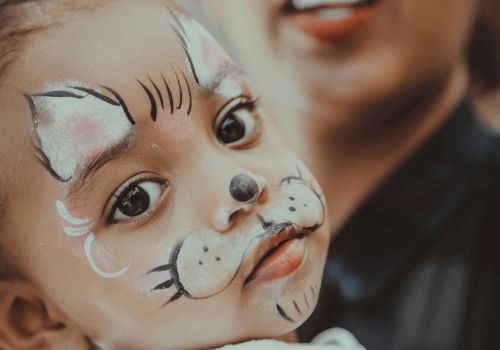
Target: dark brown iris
x=134 y=202
x=231 y=129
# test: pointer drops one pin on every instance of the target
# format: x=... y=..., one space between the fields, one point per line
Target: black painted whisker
x=313 y=292
x=306 y=301
x=169 y=93
x=164 y=285
x=174 y=297
x=190 y=106
x=297 y=307
x=154 y=108
x=283 y=313
x=158 y=92
x=161 y=268
x=122 y=103
x=300 y=173
x=265 y=224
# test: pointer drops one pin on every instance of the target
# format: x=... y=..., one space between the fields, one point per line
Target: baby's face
x=153 y=202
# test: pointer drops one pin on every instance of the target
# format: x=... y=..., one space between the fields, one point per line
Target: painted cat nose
x=243 y=188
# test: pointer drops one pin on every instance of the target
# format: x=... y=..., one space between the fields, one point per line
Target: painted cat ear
x=74 y=123
x=205 y=57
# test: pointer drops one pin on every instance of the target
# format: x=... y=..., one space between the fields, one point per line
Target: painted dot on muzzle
x=243 y=188
x=205 y=266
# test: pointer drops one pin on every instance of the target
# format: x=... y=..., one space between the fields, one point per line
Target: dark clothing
x=416 y=267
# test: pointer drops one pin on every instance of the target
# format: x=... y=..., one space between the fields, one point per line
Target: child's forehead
x=97 y=75
x=113 y=43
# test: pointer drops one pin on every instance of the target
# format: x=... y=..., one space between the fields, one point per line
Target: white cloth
x=331 y=339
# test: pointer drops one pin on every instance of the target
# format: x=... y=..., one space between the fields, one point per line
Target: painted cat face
x=167 y=206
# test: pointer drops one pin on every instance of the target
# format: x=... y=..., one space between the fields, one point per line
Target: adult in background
x=376 y=95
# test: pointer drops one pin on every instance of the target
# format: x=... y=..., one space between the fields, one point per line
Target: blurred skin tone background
x=355 y=105
x=386 y=101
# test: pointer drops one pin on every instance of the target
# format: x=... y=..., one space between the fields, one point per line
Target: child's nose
x=245 y=191
x=243 y=188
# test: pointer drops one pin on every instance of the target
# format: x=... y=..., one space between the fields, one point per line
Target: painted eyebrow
x=169 y=92
x=95 y=164
x=152 y=101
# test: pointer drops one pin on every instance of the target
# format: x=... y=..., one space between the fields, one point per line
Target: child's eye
x=237 y=124
x=136 y=198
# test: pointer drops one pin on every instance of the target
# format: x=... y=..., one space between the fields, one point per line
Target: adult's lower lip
x=330 y=19
x=279 y=262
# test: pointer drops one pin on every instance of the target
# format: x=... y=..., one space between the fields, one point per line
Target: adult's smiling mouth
x=278 y=254
x=329 y=19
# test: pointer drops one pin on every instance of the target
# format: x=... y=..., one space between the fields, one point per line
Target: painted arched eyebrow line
x=190 y=106
x=179 y=87
x=158 y=92
x=169 y=93
x=154 y=108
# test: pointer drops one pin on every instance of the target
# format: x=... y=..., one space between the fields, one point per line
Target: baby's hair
x=21 y=18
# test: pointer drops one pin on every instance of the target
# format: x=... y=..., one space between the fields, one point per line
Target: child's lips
x=280 y=262
x=278 y=256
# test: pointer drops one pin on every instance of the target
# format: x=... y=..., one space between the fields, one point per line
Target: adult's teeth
x=305 y=4
x=334 y=13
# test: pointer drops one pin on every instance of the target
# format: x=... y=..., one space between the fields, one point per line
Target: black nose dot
x=243 y=188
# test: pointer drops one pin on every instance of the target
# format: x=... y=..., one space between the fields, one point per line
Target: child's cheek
x=75 y=246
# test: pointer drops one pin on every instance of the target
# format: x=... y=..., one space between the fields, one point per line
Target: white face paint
x=208 y=58
x=80 y=228
x=73 y=125
x=205 y=263
x=229 y=88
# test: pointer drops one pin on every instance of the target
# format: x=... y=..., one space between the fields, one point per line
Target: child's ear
x=28 y=321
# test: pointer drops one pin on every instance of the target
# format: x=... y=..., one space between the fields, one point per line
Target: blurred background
x=393 y=104
x=484 y=52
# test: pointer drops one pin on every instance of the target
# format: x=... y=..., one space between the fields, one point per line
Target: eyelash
x=245 y=102
x=126 y=187
x=252 y=104
x=149 y=214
